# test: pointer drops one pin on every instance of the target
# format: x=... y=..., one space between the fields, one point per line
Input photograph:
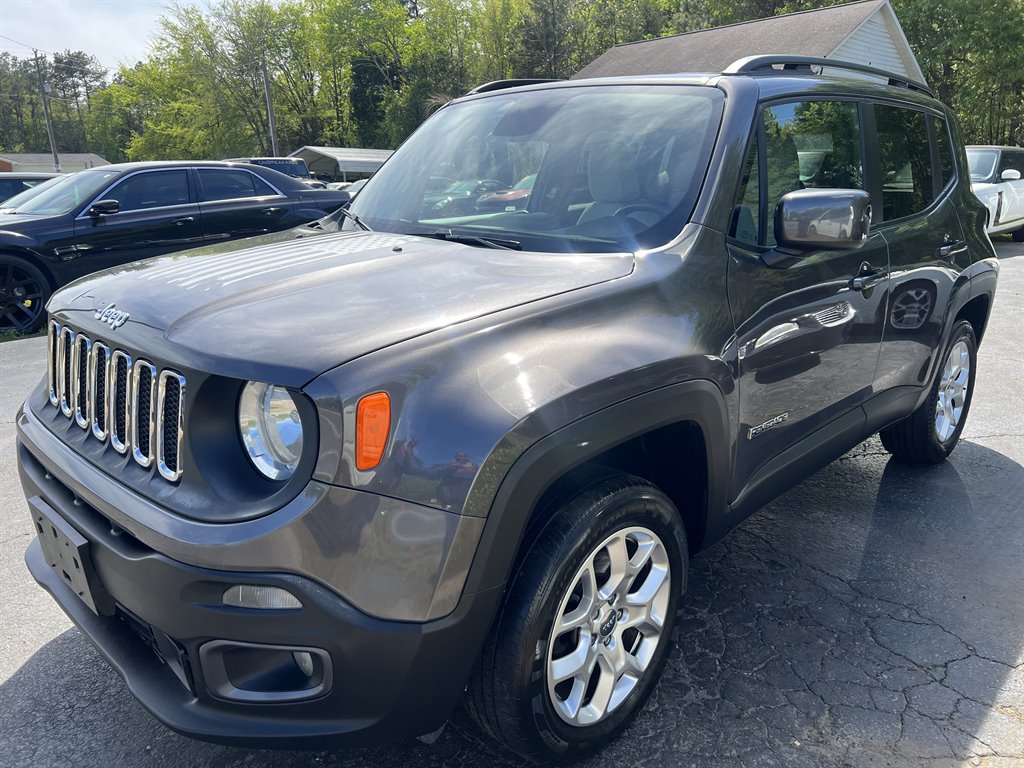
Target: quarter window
x=906 y=161
x=153 y=189
x=230 y=184
x=945 y=150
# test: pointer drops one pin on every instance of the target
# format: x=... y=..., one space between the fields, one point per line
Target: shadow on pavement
x=871 y=616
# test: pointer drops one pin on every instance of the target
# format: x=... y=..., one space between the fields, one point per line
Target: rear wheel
x=931 y=432
x=586 y=624
x=24 y=291
x=1018 y=236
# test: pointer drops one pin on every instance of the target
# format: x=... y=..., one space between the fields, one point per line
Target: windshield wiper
x=358 y=222
x=486 y=242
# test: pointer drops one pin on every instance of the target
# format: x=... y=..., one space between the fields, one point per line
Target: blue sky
x=114 y=31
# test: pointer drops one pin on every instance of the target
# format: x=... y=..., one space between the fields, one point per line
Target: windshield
x=982 y=162
x=611 y=168
x=60 y=195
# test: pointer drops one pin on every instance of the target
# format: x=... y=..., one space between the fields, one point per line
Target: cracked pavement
x=872 y=616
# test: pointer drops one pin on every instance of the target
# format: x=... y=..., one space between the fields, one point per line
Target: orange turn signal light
x=373 y=423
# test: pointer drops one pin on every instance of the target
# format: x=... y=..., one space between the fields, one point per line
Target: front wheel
x=929 y=434
x=24 y=290
x=586 y=624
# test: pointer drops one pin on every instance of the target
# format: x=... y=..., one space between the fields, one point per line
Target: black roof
x=138 y=165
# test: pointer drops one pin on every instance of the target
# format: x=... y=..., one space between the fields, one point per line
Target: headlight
x=268 y=419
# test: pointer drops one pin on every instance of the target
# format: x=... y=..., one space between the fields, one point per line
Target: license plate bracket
x=67 y=553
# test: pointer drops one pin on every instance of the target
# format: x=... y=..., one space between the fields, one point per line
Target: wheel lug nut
x=619 y=615
x=607 y=641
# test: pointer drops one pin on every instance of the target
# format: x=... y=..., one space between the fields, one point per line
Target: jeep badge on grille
x=113 y=317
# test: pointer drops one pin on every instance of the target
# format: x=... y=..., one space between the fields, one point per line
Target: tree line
x=367 y=72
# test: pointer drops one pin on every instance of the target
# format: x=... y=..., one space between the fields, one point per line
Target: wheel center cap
x=608 y=624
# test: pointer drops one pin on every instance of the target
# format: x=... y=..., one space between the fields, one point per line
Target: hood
x=21 y=222
x=290 y=309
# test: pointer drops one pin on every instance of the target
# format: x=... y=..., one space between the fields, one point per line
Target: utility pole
x=44 y=90
x=270 y=112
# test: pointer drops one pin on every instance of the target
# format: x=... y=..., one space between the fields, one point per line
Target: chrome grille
x=127 y=401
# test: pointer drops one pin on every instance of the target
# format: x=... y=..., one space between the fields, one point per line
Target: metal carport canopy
x=344 y=162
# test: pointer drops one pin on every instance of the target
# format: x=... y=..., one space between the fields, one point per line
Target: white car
x=996 y=178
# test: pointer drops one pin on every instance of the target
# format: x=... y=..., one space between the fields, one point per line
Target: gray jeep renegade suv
x=320 y=486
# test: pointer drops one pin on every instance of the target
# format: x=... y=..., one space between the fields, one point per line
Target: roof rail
x=781 y=62
x=498 y=85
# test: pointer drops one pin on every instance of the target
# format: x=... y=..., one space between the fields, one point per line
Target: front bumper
x=389 y=680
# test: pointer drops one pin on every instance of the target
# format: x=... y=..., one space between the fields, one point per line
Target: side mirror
x=811 y=219
x=1010 y=174
x=104 y=208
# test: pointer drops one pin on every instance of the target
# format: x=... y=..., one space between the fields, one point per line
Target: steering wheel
x=629 y=210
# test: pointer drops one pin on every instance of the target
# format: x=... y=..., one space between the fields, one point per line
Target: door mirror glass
x=1010 y=174
x=104 y=208
x=809 y=219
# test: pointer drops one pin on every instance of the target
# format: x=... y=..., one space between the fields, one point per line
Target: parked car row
x=72 y=225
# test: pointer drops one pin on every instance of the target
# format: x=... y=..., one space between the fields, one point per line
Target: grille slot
x=99 y=374
x=120 y=402
x=65 y=353
x=53 y=374
x=130 y=402
x=143 y=407
x=169 y=426
x=80 y=381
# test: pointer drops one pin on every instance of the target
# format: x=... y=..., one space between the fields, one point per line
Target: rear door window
x=230 y=184
x=905 y=161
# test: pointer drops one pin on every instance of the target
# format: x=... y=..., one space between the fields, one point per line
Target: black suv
x=101 y=217
x=320 y=490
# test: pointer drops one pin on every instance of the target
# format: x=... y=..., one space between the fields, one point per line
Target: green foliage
x=367 y=72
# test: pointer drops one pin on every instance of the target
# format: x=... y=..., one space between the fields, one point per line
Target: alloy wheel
x=608 y=626
x=953 y=384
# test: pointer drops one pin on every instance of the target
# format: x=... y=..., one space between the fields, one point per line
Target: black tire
x=24 y=291
x=508 y=692
x=1018 y=236
x=915 y=439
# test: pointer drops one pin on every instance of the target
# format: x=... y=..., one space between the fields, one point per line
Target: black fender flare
x=531 y=471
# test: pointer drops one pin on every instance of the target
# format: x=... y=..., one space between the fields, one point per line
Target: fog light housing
x=265 y=674
x=260 y=597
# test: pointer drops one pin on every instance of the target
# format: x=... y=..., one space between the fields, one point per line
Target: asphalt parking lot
x=873 y=616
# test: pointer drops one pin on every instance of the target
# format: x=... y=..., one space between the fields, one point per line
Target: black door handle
x=184 y=220
x=866 y=277
x=273 y=211
x=953 y=248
